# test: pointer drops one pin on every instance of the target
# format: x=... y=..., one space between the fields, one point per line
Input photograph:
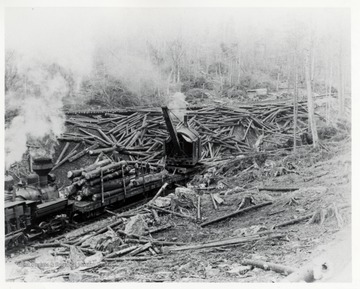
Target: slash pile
x=140 y=132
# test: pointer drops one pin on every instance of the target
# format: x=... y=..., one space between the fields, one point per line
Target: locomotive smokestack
x=186 y=120
x=42 y=166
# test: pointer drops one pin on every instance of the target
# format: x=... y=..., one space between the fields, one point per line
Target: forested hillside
x=140 y=57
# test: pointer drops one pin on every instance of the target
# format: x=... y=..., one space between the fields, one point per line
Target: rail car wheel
x=44 y=227
x=22 y=240
x=58 y=224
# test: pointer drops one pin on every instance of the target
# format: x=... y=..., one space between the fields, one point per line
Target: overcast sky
x=69 y=35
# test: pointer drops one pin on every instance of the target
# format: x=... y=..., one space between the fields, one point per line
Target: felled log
x=278 y=189
x=156 y=216
x=95 y=137
x=155 y=242
x=285 y=270
x=145 y=127
x=148 y=178
x=140 y=249
x=97 y=165
x=222 y=243
x=77 y=173
x=106 y=169
x=112 y=225
x=213 y=201
x=199 y=208
x=142 y=258
x=107 y=186
x=291 y=222
x=64 y=160
x=74 y=173
x=121 y=252
x=104 y=136
x=171 y=212
x=70 y=190
x=159 y=229
x=96 y=197
x=99 y=151
x=62 y=153
x=84 y=152
x=163 y=187
x=97 y=232
x=238 y=212
x=107 y=177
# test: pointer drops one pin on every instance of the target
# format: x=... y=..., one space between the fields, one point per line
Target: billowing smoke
x=177 y=105
x=40 y=118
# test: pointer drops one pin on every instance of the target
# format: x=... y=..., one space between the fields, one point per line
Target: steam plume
x=177 y=105
x=40 y=117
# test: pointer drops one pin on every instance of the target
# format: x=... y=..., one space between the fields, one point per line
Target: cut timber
x=222 y=243
x=70 y=190
x=163 y=187
x=121 y=252
x=77 y=173
x=140 y=249
x=199 y=208
x=154 y=242
x=97 y=165
x=137 y=130
x=62 y=153
x=236 y=213
x=291 y=222
x=99 y=151
x=84 y=152
x=159 y=229
x=269 y=266
x=171 y=212
x=218 y=199
x=156 y=216
x=65 y=159
x=106 y=169
x=106 y=178
x=144 y=179
x=213 y=201
x=278 y=189
x=107 y=186
x=142 y=258
x=98 y=232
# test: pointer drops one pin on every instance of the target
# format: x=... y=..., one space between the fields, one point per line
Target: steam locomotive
x=35 y=205
x=37 y=208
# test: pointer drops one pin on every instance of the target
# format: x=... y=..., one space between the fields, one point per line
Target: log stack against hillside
x=139 y=133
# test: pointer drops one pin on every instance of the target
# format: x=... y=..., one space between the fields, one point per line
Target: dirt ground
x=323 y=179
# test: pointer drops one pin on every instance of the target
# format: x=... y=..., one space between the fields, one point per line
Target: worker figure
x=137 y=169
x=147 y=168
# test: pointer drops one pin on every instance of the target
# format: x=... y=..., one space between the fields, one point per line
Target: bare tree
x=310 y=100
x=11 y=71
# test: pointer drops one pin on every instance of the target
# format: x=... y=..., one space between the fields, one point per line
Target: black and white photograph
x=178 y=143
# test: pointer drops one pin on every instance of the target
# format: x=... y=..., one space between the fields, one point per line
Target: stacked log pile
x=106 y=178
x=139 y=133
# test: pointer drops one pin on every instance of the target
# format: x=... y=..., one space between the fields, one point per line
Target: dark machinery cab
x=183 y=146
